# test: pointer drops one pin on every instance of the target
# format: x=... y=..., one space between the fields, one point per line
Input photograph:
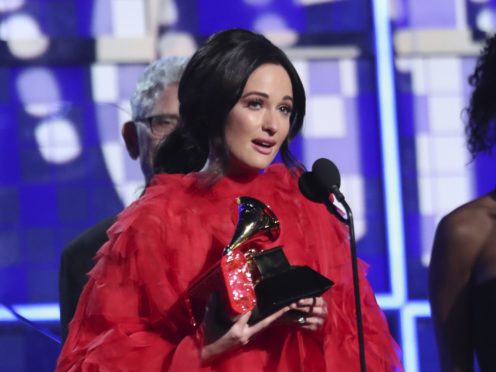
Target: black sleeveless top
x=484 y=324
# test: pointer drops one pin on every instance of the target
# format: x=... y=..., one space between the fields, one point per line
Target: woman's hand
x=239 y=334
x=312 y=313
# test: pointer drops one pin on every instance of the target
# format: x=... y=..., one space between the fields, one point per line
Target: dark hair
x=480 y=128
x=212 y=83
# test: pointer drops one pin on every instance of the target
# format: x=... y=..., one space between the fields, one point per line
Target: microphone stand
x=354 y=264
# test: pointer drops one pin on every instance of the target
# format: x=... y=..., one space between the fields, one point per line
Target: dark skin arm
x=457 y=246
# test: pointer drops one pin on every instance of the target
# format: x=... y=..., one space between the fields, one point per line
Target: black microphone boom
x=316 y=186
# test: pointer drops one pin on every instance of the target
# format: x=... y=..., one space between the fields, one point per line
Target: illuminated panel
x=117 y=43
x=409 y=314
x=39 y=312
x=342 y=125
x=390 y=157
x=435 y=52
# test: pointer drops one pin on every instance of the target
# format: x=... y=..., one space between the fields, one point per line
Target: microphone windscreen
x=326 y=173
x=311 y=189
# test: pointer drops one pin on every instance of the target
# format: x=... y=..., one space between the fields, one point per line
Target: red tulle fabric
x=132 y=314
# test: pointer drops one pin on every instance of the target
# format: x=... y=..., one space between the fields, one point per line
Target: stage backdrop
x=386 y=107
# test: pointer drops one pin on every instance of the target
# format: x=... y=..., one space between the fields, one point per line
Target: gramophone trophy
x=247 y=278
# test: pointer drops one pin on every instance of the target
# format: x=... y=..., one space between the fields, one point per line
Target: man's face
x=164 y=118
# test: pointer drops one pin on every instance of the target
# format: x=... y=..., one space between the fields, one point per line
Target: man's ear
x=130 y=136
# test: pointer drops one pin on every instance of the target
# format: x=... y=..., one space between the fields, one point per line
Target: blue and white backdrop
x=386 y=84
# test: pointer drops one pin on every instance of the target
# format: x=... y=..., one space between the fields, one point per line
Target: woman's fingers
x=243 y=318
x=265 y=322
x=311 y=313
x=239 y=334
x=313 y=323
x=314 y=306
x=312 y=302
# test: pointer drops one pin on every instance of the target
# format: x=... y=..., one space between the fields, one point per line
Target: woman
x=241 y=101
x=462 y=274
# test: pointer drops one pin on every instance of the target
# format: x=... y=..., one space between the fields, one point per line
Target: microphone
x=327 y=176
x=311 y=188
x=316 y=186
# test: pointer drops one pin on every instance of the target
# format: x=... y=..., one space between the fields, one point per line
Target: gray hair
x=156 y=77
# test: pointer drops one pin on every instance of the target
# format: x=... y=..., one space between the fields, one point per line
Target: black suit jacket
x=76 y=261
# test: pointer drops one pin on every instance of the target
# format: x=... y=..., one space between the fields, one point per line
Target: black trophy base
x=285 y=287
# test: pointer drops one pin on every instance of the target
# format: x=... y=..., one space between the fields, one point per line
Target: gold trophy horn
x=255 y=219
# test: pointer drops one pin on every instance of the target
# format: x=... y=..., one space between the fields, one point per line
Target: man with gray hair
x=155 y=114
x=155 y=110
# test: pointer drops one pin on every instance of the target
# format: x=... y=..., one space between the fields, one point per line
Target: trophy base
x=279 y=290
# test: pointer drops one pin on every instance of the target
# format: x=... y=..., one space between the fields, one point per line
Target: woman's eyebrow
x=264 y=95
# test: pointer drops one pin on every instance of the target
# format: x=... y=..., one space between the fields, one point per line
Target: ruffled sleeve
x=130 y=316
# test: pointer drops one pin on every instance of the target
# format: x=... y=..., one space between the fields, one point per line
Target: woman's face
x=258 y=123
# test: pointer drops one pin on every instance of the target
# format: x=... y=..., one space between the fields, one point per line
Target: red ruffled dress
x=131 y=316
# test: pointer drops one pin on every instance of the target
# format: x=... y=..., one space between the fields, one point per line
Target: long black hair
x=211 y=84
x=481 y=126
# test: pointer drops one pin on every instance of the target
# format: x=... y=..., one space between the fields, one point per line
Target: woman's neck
x=214 y=167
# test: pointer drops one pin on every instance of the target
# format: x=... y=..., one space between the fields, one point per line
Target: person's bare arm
x=454 y=254
x=238 y=335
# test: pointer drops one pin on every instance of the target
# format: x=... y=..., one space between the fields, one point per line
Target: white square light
x=449 y=155
x=352 y=187
x=423 y=154
x=326 y=117
x=128 y=18
x=302 y=68
x=451 y=192
x=444 y=113
x=348 y=76
x=113 y=153
x=444 y=75
x=425 y=190
x=104 y=83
